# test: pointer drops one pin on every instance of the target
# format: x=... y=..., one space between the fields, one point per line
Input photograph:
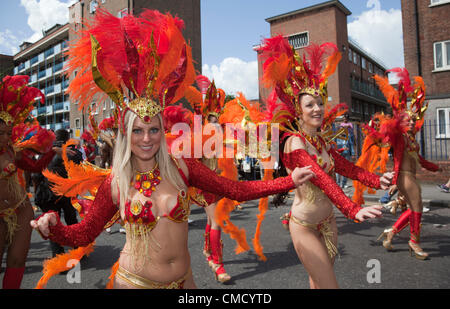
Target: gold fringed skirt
x=9 y=215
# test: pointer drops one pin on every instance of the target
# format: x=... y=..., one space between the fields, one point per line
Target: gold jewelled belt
x=143 y=283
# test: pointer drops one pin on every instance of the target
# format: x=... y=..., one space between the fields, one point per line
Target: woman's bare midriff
x=164 y=261
x=310 y=203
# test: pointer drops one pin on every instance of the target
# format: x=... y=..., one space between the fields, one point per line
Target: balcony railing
x=367 y=89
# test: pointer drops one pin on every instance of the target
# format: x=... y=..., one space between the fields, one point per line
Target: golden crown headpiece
x=406 y=91
x=290 y=76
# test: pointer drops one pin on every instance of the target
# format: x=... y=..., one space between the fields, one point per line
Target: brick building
x=84 y=10
x=426 y=39
x=352 y=82
x=6 y=65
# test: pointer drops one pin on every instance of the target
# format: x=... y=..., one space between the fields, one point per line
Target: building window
x=299 y=40
x=370 y=67
x=93 y=6
x=438 y=2
x=442 y=55
x=363 y=63
x=77 y=123
x=443 y=123
x=355 y=58
x=122 y=13
x=350 y=55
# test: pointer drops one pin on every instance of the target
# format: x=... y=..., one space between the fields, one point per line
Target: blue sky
x=232 y=27
x=229 y=31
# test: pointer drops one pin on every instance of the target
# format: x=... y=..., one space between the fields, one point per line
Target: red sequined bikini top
x=137 y=212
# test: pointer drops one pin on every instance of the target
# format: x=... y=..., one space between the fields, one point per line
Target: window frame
x=445 y=56
x=299 y=34
x=446 y=135
x=438 y=2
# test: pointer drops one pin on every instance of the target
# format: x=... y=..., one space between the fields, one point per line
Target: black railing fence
x=434 y=141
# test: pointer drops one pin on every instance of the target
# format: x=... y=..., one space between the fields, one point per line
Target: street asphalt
x=362 y=262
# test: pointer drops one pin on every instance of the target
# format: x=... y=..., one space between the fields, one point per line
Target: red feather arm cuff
x=350 y=170
x=301 y=158
x=35 y=166
x=85 y=232
x=205 y=179
x=428 y=165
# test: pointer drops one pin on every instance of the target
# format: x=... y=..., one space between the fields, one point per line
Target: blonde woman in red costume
x=147 y=186
x=298 y=105
x=16 y=104
x=399 y=132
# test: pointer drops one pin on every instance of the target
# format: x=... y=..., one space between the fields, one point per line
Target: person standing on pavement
x=346 y=148
x=45 y=199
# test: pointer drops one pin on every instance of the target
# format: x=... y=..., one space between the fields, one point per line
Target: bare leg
x=313 y=254
x=408 y=186
x=210 y=213
x=18 y=249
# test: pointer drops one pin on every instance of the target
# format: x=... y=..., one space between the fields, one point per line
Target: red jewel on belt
x=146 y=182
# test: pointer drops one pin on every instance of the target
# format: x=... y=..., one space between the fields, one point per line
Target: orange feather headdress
x=208 y=99
x=142 y=63
x=290 y=76
x=398 y=98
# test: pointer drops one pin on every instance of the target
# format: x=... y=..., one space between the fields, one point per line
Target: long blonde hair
x=122 y=169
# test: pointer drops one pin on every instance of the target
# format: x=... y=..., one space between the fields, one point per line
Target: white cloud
x=379 y=32
x=44 y=14
x=9 y=43
x=234 y=75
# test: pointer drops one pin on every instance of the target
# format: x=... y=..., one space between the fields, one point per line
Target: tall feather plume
x=403 y=76
x=195 y=99
x=226 y=206
x=276 y=55
x=203 y=83
x=62 y=262
x=388 y=91
x=316 y=55
x=81 y=177
x=332 y=113
x=332 y=63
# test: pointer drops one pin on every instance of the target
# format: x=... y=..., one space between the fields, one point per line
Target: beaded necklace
x=313 y=140
x=146 y=182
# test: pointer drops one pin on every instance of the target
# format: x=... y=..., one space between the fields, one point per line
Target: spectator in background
x=445 y=187
x=44 y=197
x=347 y=148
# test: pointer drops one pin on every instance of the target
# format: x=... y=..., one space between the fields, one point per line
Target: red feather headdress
x=290 y=76
x=146 y=57
x=16 y=99
x=398 y=98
